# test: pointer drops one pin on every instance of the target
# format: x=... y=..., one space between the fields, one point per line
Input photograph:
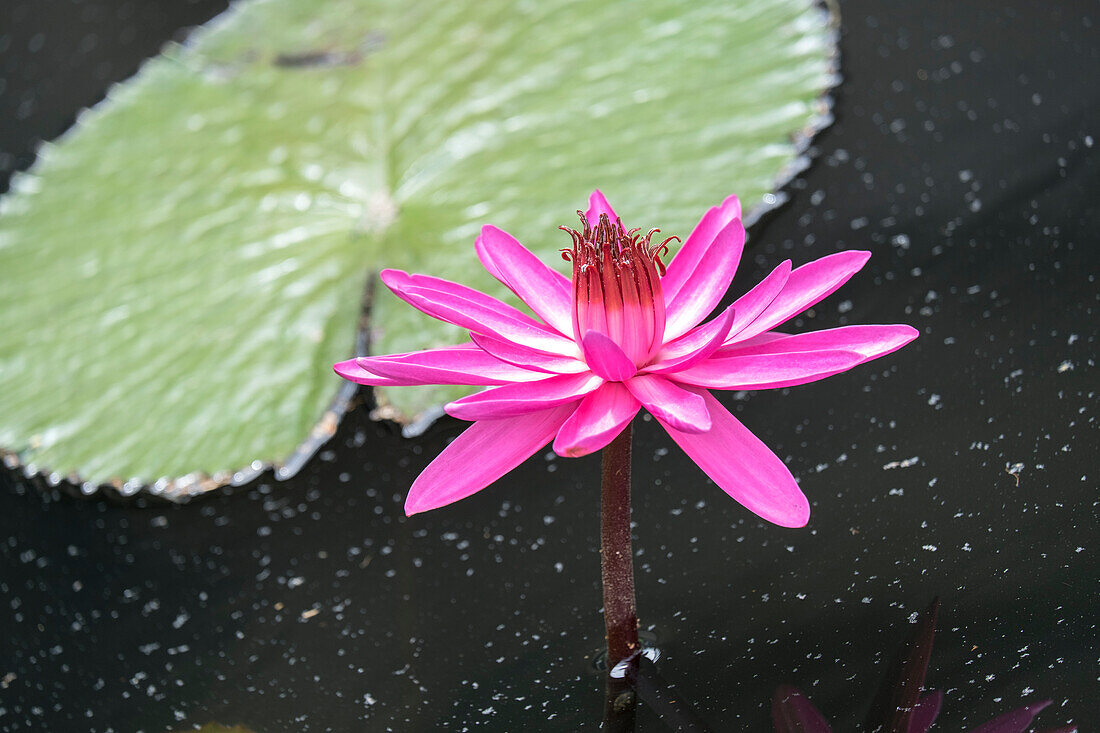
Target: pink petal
x=792 y=712
x=924 y=713
x=806 y=286
x=451 y=365
x=483 y=453
x=870 y=341
x=600 y=417
x=546 y=291
x=475 y=311
x=705 y=286
x=514 y=353
x=750 y=305
x=605 y=358
x=697 y=244
x=694 y=346
x=351 y=371
x=744 y=467
x=670 y=403
x=523 y=397
x=767 y=371
x=1015 y=721
x=597 y=204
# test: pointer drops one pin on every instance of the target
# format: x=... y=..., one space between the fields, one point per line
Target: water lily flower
x=620 y=335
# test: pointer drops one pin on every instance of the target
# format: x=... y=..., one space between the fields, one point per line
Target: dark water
x=964 y=466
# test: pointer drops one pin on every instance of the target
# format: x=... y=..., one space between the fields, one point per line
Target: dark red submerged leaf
x=792 y=712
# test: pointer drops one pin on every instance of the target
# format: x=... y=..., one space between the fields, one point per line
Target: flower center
x=617 y=285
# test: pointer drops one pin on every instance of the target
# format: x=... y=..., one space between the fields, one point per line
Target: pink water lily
x=622 y=334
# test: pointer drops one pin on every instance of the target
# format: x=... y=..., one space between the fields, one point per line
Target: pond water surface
x=962 y=467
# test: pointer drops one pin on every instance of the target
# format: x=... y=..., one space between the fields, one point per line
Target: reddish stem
x=619 y=614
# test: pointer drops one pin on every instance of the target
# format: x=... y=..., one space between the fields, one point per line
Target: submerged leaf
x=896 y=699
x=1014 y=721
x=792 y=712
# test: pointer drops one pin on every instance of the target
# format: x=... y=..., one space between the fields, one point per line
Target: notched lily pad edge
x=184 y=488
x=802 y=140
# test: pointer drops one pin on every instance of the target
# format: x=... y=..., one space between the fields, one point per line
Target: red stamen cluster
x=621 y=244
x=617 y=286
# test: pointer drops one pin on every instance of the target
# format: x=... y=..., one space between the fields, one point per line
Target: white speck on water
x=1065 y=366
x=902 y=464
x=181 y=619
x=368 y=699
x=929 y=548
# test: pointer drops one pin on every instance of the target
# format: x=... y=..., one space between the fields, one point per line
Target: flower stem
x=619 y=614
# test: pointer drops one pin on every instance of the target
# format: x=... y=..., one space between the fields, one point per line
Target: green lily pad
x=180 y=270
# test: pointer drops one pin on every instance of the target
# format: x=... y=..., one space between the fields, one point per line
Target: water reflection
x=898 y=707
